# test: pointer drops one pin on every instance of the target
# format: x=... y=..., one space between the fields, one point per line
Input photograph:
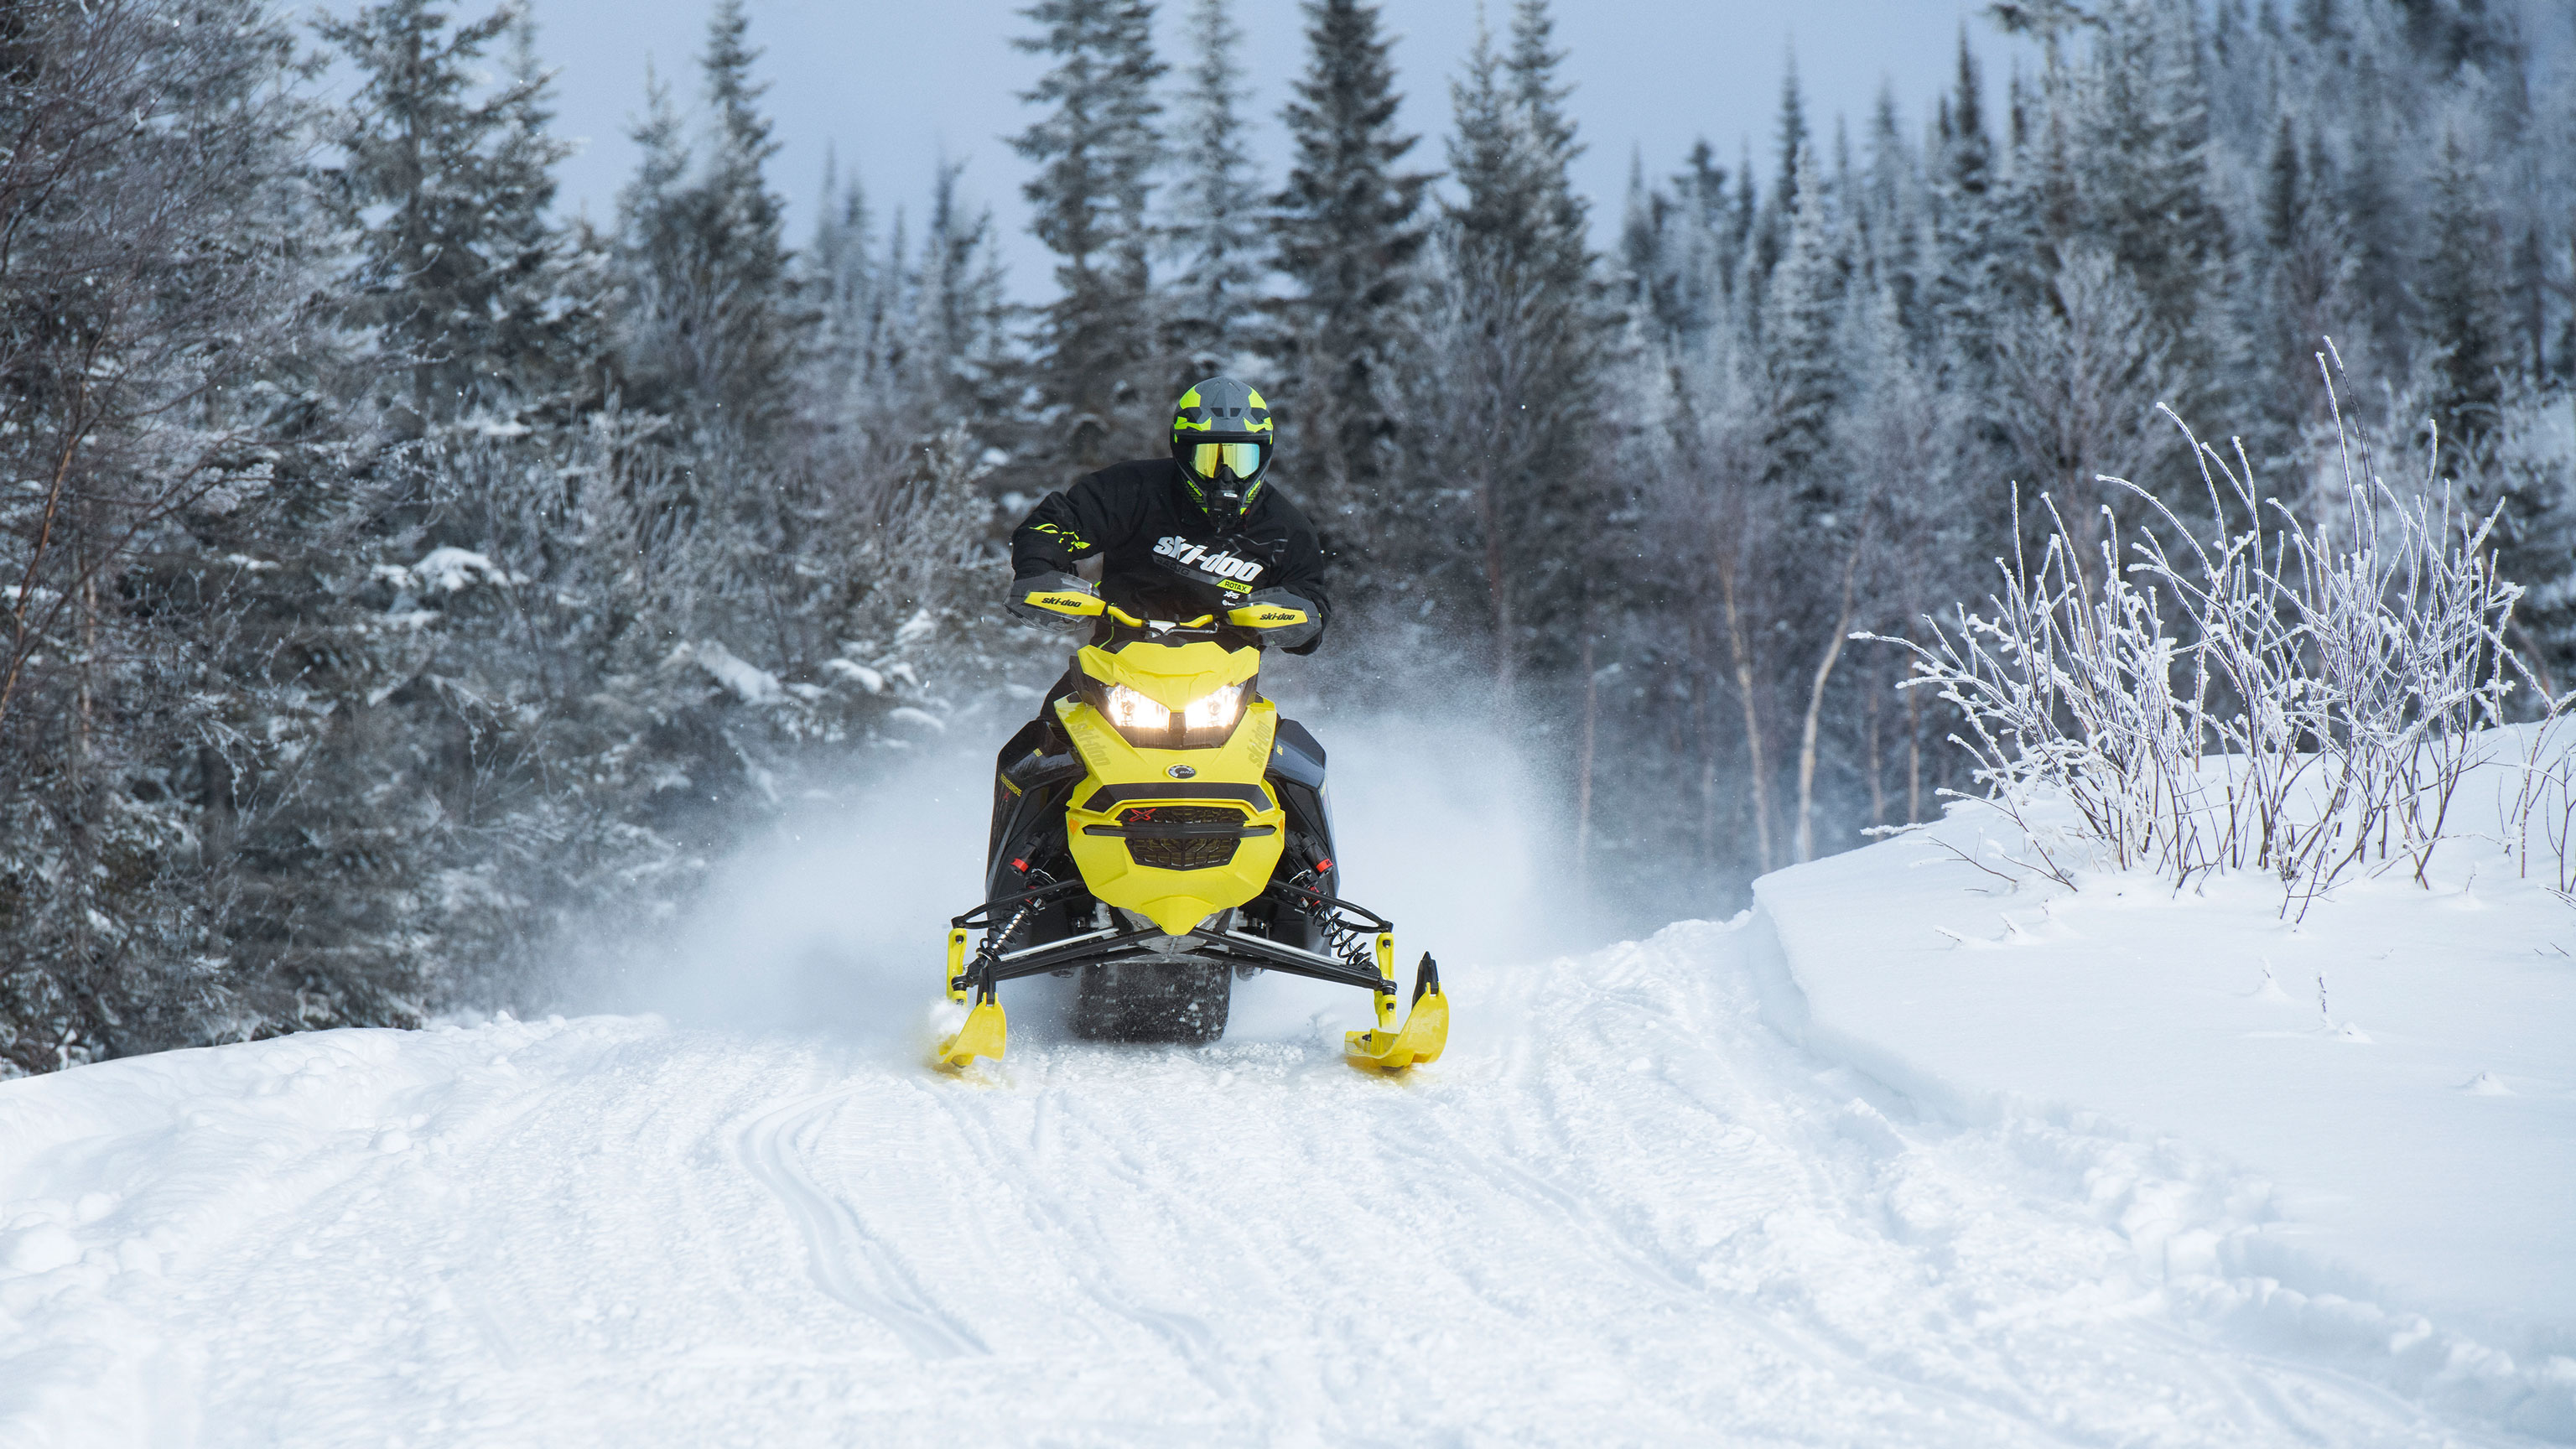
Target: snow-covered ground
x=2354 y=1130
x=1630 y=1206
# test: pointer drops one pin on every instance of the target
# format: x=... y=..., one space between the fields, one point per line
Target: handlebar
x=1132 y=622
x=1082 y=603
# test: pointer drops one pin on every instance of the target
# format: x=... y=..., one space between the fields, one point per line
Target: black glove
x=1267 y=614
x=1042 y=585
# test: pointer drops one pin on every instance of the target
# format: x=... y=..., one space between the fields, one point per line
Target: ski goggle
x=1203 y=459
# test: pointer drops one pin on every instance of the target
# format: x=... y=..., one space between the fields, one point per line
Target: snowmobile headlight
x=1214 y=711
x=1130 y=710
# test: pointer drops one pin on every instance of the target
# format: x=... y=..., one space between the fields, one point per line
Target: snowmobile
x=1164 y=832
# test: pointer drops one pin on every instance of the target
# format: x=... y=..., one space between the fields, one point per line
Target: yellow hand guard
x=1265 y=616
x=1068 y=602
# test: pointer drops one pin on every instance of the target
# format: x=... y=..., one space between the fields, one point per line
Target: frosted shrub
x=2251 y=691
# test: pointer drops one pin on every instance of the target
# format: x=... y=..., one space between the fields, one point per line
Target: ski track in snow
x=1622 y=1211
x=846 y=1260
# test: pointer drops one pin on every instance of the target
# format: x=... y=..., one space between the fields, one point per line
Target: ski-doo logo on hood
x=1222 y=563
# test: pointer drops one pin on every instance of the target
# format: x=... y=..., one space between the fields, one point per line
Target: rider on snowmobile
x=1197 y=533
x=1160 y=828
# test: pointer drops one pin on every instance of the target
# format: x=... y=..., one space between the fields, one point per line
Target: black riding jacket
x=1162 y=559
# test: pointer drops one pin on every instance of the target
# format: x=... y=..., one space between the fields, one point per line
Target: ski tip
x=1419 y=1042
x=985 y=1033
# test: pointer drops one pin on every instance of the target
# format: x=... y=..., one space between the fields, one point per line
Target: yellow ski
x=986 y=1031
x=1426 y=1027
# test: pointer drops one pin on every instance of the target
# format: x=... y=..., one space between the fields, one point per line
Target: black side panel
x=1297 y=776
x=1030 y=819
x=1294 y=755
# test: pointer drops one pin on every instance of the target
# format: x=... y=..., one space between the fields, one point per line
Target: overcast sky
x=891 y=85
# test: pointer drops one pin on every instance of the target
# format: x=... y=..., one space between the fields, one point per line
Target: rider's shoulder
x=1272 y=503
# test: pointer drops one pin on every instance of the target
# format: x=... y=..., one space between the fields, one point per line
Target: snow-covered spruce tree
x=1347 y=229
x=1098 y=370
x=1771 y=224
x=907 y=341
x=444 y=768
x=2143 y=114
x=1827 y=511
x=1213 y=230
x=158 y=349
x=2465 y=348
x=853 y=290
x=2078 y=379
x=443 y=187
x=1966 y=250
x=1801 y=339
x=961 y=317
x=1517 y=333
x=1890 y=216
x=2383 y=217
x=2303 y=288
x=707 y=323
x=1678 y=252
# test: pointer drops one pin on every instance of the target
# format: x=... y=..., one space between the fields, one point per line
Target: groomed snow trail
x=1621 y=1211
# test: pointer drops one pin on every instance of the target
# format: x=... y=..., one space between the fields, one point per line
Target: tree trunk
x=1740 y=652
x=1815 y=712
x=1877 y=782
x=1913 y=756
x=1706 y=729
x=1497 y=588
x=1583 y=770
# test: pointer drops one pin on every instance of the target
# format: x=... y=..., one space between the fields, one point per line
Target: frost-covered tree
x=1098 y=366
x=2464 y=323
x=2145 y=134
x=1802 y=342
x=1521 y=328
x=1964 y=241
x=1678 y=249
x=1215 y=231
x=958 y=309
x=708 y=324
x=1347 y=228
x=160 y=367
x=444 y=185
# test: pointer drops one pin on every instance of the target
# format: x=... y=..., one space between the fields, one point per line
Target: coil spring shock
x=996 y=941
x=1339 y=939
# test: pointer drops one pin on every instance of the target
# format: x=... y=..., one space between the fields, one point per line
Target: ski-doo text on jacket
x=1161 y=558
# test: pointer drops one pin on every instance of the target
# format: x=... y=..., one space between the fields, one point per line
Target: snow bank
x=2358 y=1131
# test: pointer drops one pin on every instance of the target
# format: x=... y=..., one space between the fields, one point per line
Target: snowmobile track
x=844 y=1258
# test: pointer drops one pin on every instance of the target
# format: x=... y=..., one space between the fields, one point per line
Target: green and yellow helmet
x=1222 y=438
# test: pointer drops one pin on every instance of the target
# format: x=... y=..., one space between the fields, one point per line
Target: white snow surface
x=2356 y=1125
x=1630 y=1206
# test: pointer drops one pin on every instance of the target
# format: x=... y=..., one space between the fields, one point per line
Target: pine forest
x=407 y=589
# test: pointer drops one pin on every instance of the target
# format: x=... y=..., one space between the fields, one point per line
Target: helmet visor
x=1244 y=459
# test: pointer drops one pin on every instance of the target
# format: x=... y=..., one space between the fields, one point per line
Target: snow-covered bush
x=2292 y=690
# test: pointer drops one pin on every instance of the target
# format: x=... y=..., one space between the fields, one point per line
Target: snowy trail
x=1623 y=1210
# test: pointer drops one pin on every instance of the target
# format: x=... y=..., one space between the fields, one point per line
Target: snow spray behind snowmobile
x=1165 y=830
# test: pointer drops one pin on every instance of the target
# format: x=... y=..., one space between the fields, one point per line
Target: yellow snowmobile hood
x=1124 y=779
x=1171 y=675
